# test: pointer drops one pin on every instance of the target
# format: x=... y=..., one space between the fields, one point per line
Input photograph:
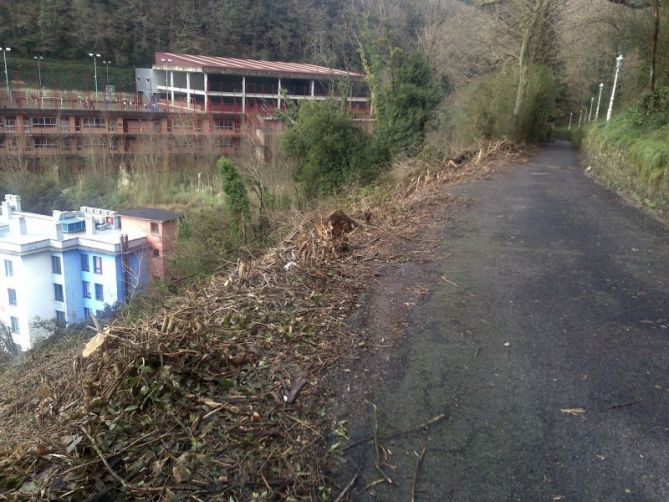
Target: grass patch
x=631 y=152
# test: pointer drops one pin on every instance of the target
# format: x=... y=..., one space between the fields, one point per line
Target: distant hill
x=129 y=31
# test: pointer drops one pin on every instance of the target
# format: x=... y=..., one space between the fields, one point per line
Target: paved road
x=562 y=302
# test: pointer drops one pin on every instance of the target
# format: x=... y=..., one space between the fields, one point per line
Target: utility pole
x=619 y=62
x=599 y=100
x=5 y=50
x=95 y=69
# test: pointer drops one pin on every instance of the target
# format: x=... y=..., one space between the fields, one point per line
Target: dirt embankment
x=219 y=394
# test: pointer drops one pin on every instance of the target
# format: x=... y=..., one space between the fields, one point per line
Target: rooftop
x=215 y=64
x=150 y=213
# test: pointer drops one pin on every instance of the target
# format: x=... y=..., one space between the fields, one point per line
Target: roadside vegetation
x=631 y=153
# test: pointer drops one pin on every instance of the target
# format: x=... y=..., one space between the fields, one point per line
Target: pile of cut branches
x=216 y=395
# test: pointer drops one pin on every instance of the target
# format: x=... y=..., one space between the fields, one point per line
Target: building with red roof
x=211 y=84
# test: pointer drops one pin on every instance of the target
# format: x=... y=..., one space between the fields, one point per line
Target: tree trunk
x=522 y=74
x=528 y=51
x=653 y=45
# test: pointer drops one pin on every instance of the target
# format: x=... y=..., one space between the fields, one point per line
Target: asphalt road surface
x=554 y=297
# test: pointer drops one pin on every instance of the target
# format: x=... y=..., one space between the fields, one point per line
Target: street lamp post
x=599 y=100
x=107 y=63
x=592 y=103
x=5 y=50
x=571 y=116
x=95 y=56
x=619 y=62
x=167 y=92
x=39 y=71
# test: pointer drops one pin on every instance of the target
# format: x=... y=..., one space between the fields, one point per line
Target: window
x=226 y=125
x=11 y=293
x=46 y=142
x=93 y=122
x=44 y=121
x=74 y=227
x=156 y=253
x=9 y=268
x=99 y=294
x=58 y=292
x=85 y=264
x=87 y=313
x=55 y=265
x=97 y=264
x=60 y=317
x=10 y=124
x=154 y=228
x=87 y=289
x=14 y=321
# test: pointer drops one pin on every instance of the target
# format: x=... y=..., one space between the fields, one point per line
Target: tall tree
x=655 y=12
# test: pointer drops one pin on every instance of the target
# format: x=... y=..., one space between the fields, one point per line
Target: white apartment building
x=67 y=266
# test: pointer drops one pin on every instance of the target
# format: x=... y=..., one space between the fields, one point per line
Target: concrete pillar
x=206 y=92
x=313 y=88
x=278 y=101
x=243 y=94
x=172 y=86
x=188 y=89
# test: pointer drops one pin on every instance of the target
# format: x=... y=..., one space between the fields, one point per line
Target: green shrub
x=328 y=149
x=405 y=102
x=236 y=198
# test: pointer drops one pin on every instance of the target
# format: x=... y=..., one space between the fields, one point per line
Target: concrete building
x=67 y=266
x=183 y=104
x=207 y=83
x=160 y=228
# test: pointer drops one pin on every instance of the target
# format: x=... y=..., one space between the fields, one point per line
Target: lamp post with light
x=165 y=61
x=619 y=63
x=39 y=70
x=95 y=57
x=107 y=63
x=599 y=100
x=5 y=50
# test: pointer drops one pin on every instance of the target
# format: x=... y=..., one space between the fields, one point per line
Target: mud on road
x=534 y=319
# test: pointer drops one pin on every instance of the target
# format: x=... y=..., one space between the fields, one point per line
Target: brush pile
x=216 y=396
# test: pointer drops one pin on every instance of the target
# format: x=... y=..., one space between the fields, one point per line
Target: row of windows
x=59 y=293
x=56 y=266
x=44 y=121
x=99 y=291
x=60 y=318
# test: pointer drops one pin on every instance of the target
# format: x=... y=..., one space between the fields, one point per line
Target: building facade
x=68 y=266
x=183 y=104
x=160 y=228
x=216 y=84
